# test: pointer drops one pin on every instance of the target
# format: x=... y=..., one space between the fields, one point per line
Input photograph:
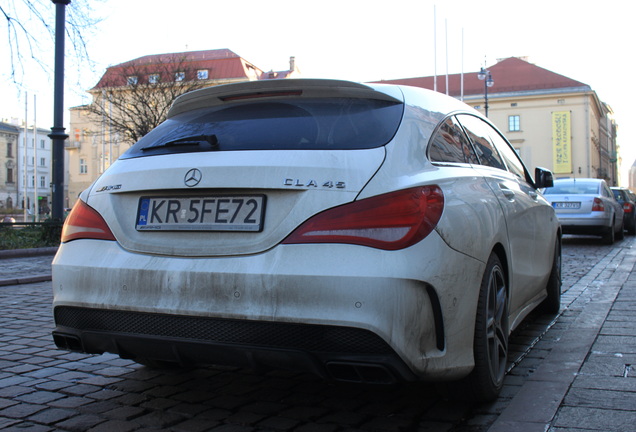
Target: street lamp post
x=486 y=77
x=57 y=134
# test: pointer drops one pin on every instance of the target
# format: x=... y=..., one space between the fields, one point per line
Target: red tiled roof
x=221 y=64
x=510 y=75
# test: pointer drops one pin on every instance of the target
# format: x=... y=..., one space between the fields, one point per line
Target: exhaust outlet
x=68 y=342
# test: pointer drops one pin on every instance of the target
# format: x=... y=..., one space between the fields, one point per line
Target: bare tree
x=30 y=27
x=133 y=98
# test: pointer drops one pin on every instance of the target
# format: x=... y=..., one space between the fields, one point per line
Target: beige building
x=553 y=121
x=93 y=143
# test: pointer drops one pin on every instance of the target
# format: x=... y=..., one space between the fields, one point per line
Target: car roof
x=308 y=88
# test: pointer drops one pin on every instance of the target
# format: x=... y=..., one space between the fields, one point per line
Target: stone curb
x=19 y=253
x=25 y=280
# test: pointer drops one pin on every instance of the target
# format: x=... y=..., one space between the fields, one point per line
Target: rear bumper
x=419 y=310
x=332 y=352
x=598 y=225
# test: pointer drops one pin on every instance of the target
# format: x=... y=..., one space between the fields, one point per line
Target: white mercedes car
x=363 y=232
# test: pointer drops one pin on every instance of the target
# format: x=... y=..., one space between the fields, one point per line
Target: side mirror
x=543 y=178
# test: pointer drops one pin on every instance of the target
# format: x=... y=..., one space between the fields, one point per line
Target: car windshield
x=302 y=124
x=573 y=188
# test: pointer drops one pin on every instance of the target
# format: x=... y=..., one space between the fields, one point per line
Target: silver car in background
x=366 y=233
x=586 y=206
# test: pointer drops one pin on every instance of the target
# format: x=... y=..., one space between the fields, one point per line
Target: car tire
x=608 y=237
x=490 y=343
x=620 y=235
x=552 y=302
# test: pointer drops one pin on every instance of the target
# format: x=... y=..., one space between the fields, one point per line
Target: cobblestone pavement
x=45 y=389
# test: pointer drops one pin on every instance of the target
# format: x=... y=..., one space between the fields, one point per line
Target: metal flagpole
x=435 y=47
x=36 y=207
x=25 y=176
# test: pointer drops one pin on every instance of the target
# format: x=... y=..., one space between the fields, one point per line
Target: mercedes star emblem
x=192 y=177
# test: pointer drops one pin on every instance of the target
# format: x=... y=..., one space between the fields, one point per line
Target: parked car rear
x=626 y=198
x=586 y=206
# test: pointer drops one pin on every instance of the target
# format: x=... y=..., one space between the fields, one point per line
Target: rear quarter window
x=479 y=133
x=449 y=144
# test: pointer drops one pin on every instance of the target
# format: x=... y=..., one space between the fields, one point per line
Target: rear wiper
x=191 y=140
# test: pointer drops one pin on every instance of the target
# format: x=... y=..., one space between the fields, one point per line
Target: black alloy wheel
x=491 y=333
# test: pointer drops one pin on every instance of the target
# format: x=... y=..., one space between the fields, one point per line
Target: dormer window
x=202 y=74
x=153 y=79
x=132 y=80
x=179 y=76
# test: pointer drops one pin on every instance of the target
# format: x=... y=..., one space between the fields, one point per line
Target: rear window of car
x=286 y=124
x=573 y=188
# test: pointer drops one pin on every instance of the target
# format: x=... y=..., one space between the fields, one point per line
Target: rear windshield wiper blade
x=191 y=140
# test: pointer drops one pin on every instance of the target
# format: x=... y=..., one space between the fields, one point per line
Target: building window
x=9 y=175
x=42 y=144
x=514 y=123
x=202 y=74
x=153 y=79
x=9 y=149
x=179 y=76
x=42 y=181
x=132 y=80
x=42 y=162
x=83 y=167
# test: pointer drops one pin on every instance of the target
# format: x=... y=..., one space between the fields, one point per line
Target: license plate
x=566 y=205
x=201 y=213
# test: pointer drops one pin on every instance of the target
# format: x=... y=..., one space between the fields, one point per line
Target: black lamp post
x=57 y=134
x=486 y=77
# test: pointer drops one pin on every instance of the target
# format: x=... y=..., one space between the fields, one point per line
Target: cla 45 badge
x=313 y=183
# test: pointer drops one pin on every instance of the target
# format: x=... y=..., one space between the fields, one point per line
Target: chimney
x=292 y=63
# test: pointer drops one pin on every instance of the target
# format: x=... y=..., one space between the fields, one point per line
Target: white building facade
x=34 y=173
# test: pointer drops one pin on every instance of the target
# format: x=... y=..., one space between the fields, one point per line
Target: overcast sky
x=359 y=40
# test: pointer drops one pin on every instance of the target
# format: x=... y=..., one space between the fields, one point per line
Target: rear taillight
x=598 y=205
x=391 y=221
x=85 y=223
x=628 y=208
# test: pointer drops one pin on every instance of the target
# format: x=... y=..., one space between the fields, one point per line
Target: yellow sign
x=562 y=142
